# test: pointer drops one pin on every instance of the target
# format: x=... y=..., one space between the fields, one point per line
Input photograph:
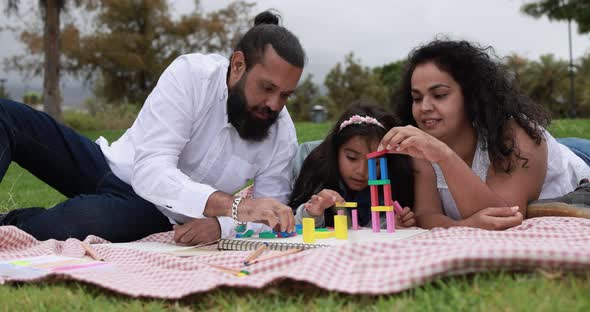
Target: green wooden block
x=267 y=235
x=322 y=230
x=379 y=182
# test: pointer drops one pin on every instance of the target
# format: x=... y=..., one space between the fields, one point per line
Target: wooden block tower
x=388 y=204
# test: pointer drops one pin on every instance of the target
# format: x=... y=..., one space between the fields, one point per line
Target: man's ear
x=238 y=65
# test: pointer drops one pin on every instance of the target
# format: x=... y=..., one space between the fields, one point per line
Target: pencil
x=276 y=255
x=255 y=254
x=91 y=252
x=230 y=270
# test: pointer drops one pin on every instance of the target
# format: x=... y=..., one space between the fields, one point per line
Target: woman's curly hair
x=491 y=96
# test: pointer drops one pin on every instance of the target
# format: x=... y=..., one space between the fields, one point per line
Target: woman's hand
x=416 y=143
x=321 y=201
x=495 y=218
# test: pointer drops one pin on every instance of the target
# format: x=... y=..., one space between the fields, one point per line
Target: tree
x=303 y=99
x=353 y=82
x=391 y=76
x=561 y=10
x=137 y=40
x=546 y=83
x=583 y=86
x=51 y=10
x=132 y=42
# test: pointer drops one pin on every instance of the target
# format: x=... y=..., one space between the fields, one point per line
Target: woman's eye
x=440 y=96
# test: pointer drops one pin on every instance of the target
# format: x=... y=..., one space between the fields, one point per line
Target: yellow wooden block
x=381 y=208
x=320 y=235
x=308 y=230
x=347 y=205
x=341 y=227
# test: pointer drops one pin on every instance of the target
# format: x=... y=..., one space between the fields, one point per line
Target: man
x=208 y=127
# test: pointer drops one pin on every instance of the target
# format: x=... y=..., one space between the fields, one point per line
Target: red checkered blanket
x=376 y=268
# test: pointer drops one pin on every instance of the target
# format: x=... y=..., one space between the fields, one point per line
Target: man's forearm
x=218 y=205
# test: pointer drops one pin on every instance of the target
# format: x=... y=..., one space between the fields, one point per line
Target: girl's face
x=352 y=162
x=437 y=105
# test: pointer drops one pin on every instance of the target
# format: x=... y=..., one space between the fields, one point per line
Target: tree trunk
x=51 y=93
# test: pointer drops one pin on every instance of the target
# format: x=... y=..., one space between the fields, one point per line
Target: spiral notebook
x=360 y=236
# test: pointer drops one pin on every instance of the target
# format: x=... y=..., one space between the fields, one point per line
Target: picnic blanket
x=550 y=243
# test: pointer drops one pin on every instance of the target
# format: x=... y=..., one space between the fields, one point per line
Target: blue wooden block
x=383 y=165
x=372 y=169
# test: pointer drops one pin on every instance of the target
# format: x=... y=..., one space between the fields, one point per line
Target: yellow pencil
x=91 y=252
x=276 y=255
x=255 y=254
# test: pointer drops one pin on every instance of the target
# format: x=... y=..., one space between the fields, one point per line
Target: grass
x=537 y=291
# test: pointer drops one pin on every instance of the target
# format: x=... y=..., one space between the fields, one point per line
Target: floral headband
x=356 y=119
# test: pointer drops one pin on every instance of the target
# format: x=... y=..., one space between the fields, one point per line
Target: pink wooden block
x=355 y=220
x=375 y=221
x=390 y=222
x=340 y=212
x=396 y=206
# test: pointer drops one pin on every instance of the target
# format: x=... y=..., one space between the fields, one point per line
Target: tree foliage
x=560 y=10
x=352 y=81
x=132 y=42
x=304 y=98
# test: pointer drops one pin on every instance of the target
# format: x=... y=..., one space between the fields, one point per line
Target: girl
x=477 y=139
x=336 y=170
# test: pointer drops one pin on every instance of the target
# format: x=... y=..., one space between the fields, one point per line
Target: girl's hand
x=323 y=200
x=414 y=142
x=405 y=219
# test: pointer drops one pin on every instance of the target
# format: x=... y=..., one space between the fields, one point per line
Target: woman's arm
x=522 y=185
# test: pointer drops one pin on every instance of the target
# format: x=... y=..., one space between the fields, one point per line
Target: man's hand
x=495 y=218
x=197 y=231
x=268 y=211
x=406 y=218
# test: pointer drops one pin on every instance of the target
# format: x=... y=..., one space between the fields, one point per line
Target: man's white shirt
x=181 y=148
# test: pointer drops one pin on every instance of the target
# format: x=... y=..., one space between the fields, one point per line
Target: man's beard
x=249 y=127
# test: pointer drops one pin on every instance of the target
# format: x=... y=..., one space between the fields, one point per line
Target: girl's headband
x=356 y=119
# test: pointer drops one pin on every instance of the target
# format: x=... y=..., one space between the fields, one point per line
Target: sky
x=379 y=32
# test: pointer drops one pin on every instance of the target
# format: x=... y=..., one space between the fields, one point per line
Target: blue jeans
x=580 y=147
x=98 y=202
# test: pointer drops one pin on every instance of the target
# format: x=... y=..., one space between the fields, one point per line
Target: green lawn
x=537 y=291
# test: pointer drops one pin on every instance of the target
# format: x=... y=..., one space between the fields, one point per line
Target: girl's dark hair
x=267 y=31
x=491 y=97
x=320 y=168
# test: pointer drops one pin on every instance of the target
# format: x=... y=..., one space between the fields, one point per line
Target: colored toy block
x=390 y=222
x=387 y=195
x=341 y=227
x=299 y=228
x=341 y=212
x=286 y=234
x=383 y=167
x=267 y=235
x=374 y=195
x=322 y=229
x=372 y=169
x=379 y=182
x=381 y=208
x=397 y=207
x=355 y=220
x=320 y=235
x=309 y=230
x=347 y=205
x=248 y=233
x=377 y=154
x=375 y=221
